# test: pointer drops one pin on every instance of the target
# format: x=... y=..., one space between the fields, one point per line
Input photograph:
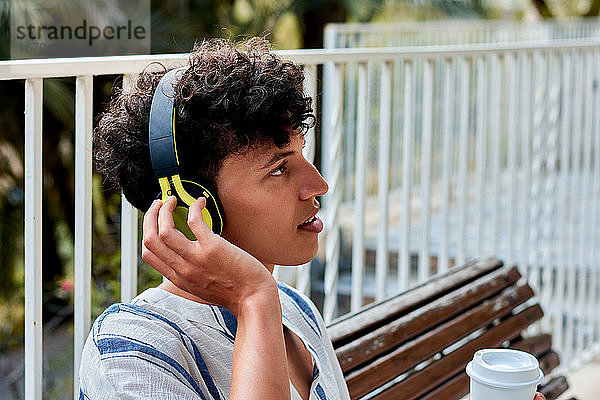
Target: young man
x=220 y=326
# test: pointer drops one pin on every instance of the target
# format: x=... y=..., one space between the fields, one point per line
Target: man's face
x=268 y=194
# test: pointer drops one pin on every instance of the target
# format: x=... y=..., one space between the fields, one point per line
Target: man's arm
x=259 y=359
x=220 y=273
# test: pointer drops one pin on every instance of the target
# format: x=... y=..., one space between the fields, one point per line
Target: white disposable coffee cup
x=503 y=374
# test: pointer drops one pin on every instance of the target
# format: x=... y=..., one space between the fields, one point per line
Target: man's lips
x=313 y=224
x=310 y=217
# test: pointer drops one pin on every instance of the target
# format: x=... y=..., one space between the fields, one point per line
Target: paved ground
x=584 y=382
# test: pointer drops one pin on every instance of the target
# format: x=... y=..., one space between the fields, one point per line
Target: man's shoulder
x=299 y=303
x=137 y=348
x=122 y=324
x=292 y=294
x=128 y=316
x=127 y=334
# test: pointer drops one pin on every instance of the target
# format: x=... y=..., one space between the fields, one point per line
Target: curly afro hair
x=233 y=97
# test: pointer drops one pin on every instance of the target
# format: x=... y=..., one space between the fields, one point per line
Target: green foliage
x=12 y=319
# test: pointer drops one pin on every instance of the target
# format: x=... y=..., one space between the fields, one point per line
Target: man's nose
x=313 y=185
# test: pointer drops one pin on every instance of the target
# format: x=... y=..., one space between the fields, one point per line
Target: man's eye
x=279 y=170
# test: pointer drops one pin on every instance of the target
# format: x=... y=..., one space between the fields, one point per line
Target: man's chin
x=297 y=260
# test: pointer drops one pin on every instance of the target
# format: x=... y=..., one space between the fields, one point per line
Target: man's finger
x=150 y=225
x=152 y=234
x=196 y=222
x=152 y=260
x=165 y=214
x=168 y=233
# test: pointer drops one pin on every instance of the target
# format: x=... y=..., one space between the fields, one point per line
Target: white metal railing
x=460 y=152
x=452 y=32
x=493 y=150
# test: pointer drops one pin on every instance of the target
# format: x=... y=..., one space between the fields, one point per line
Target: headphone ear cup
x=213 y=212
x=180 y=216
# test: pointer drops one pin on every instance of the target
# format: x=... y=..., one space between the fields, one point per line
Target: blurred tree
x=543 y=9
x=576 y=8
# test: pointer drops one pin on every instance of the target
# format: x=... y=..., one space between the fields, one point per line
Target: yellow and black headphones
x=165 y=161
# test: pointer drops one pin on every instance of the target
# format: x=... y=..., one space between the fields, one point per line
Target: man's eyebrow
x=277 y=157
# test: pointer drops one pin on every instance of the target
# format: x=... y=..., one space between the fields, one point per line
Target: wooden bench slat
x=354 y=325
x=538 y=345
x=554 y=388
x=412 y=353
x=454 y=388
x=441 y=370
x=548 y=362
x=430 y=315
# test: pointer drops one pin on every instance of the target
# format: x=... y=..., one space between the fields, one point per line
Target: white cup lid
x=504 y=368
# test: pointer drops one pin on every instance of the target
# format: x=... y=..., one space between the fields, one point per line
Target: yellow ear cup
x=187 y=192
x=180 y=216
x=188 y=199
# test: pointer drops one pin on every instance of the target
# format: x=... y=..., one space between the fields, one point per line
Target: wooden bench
x=417 y=344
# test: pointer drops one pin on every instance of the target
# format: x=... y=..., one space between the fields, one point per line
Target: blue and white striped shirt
x=162 y=346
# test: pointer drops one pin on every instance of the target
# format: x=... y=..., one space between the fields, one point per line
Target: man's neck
x=168 y=286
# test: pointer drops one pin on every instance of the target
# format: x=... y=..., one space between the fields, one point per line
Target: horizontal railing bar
x=113 y=65
x=427 y=26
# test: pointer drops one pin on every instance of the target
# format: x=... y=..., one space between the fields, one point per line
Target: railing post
x=512 y=152
x=585 y=203
x=129 y=250
x=595 y=280
x=333 y=159
x=83 y=219
x=385 y=122
x=447 y=143
x=550 y=221
x=426 y=149
x=358 y=239
x=481 y=151
x=537 y=174
x=525 y=128
x=129 y=232
x=496 y=107
x=574 y=267
x=563 y=207
x=404 y=256
x=463 y=158
x=310 y=88
x=33 y=238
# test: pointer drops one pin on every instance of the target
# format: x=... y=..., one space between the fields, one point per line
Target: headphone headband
x=165 y=163
x=161 y=135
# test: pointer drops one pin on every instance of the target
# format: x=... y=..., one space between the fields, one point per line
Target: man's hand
x=210 y=267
